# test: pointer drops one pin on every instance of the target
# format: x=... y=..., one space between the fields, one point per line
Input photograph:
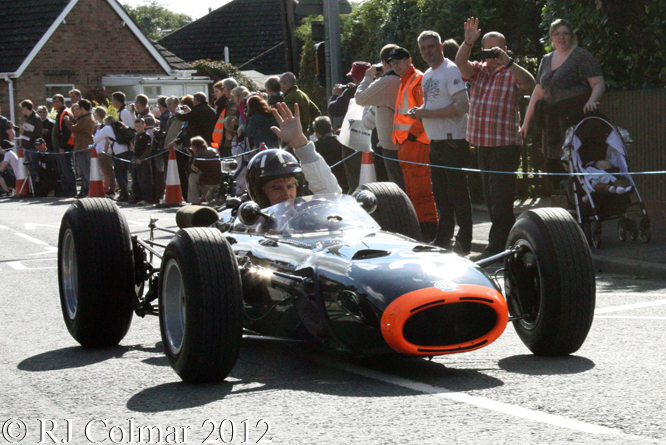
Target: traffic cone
x=367 y=169
x=173 y=194
x=96 y=187
x=22 y=184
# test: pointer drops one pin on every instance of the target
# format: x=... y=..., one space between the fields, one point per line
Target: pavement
x=634 y=258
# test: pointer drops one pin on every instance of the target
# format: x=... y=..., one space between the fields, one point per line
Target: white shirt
x=102 y=135
x=439 y=86
x=12 y=159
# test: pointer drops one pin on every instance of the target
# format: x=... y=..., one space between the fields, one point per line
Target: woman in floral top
x=570 y=82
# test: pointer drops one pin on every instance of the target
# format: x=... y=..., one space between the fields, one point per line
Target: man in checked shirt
x=496 y=86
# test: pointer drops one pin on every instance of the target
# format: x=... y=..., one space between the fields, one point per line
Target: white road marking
x=31 y=239
x=627 y=317
x=3 y=227
x=18 y=265
x=481 y=402
x=33 y=226
x=626 y=307
x=47 y=249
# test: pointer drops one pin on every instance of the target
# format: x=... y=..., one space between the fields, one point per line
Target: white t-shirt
x=100 y=140
x=11 y=157
x=439 y=85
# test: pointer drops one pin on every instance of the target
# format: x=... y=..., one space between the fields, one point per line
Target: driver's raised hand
x=290 y=130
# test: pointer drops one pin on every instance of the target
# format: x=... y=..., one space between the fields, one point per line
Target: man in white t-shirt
x=9 y=159
x=444 y=116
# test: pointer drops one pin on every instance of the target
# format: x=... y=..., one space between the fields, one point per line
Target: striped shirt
x=493 y=107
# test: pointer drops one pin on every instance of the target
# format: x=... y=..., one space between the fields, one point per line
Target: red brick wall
x=92 y=43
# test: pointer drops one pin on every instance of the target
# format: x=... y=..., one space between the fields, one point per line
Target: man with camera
x=497 y=84
x=379 y=89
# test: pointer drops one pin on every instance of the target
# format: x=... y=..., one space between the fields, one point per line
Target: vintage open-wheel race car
x=337 y=271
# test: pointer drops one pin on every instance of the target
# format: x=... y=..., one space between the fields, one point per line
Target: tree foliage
x=155 y=20
x=626 y=37
x=218 y=70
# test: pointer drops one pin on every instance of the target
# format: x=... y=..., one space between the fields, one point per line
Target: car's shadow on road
x=270 y=366
x=533 y=365
x=78 y=357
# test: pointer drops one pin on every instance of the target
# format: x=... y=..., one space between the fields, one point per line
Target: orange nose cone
x=445 y=319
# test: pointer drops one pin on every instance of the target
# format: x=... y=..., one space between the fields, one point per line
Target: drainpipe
x=10 y=82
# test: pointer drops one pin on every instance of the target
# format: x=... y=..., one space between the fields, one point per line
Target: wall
x=643 y=114
x=92 y=43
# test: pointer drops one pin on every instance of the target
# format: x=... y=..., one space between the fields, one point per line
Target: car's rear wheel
x=200 y=305
x=395 y=212
x=550 y=283
x=95 y=272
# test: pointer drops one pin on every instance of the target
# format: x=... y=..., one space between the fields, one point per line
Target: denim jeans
x=66 y=171
x=83 y=162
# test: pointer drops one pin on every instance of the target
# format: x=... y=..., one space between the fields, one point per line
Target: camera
x=489 y=54
x=380 y=68
x=229 y=165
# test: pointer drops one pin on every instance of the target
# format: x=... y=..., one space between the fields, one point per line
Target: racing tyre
x=200 y=305
x=550 y=283
x=395 y=212
x=95 y=272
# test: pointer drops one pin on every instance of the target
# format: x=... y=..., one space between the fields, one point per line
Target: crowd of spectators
x=423 y=126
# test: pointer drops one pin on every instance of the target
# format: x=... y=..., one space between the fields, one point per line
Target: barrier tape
x=92 y=147
x=464 y=169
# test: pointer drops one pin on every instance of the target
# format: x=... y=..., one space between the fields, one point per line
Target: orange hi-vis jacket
x=218 y=131
x=410 y=95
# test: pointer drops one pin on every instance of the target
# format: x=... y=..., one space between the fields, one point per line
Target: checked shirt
x=493 y=107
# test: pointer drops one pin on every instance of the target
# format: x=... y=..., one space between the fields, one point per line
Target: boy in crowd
x=141 y=168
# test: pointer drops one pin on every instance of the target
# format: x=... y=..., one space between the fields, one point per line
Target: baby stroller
x=594 y=145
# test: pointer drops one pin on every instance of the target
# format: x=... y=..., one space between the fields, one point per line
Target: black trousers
x=451 y=190
x=499 y=191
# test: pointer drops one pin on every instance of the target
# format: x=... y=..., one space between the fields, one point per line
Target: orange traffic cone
x=96 y=187
x=367 y=169
x=22 y=183
x=173 y=194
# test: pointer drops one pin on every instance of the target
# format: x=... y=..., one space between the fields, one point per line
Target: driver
x=274 y=175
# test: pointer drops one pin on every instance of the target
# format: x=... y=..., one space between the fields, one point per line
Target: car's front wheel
x=200 y=305
x=395 y=212
x=95 y=272
x=550 y=282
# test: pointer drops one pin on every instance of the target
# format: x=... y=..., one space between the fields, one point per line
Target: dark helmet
x=268 y=165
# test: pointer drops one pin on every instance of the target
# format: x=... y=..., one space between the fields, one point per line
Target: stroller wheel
x=632 y=229
x=596 y=236
x=623 y=229
x=644 y=234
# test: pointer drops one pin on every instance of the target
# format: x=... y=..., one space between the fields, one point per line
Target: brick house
x=53 y=46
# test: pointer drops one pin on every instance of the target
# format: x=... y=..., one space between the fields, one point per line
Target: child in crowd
x=141 y=169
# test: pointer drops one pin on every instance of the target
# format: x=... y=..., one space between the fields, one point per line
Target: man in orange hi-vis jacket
x=410 y=136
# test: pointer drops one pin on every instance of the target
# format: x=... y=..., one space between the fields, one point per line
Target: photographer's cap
x=40 y=141
x=7 y=145
x=398 y=54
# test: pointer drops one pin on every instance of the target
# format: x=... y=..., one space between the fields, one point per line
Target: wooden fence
x=643 y=114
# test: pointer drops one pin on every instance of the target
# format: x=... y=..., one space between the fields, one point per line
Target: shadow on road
x=533 y=365
x=175 y=396
x=265 y=366
x=76 y=357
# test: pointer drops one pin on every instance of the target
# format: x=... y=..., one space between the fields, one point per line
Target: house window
x=58 y=88
x=152 y=91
